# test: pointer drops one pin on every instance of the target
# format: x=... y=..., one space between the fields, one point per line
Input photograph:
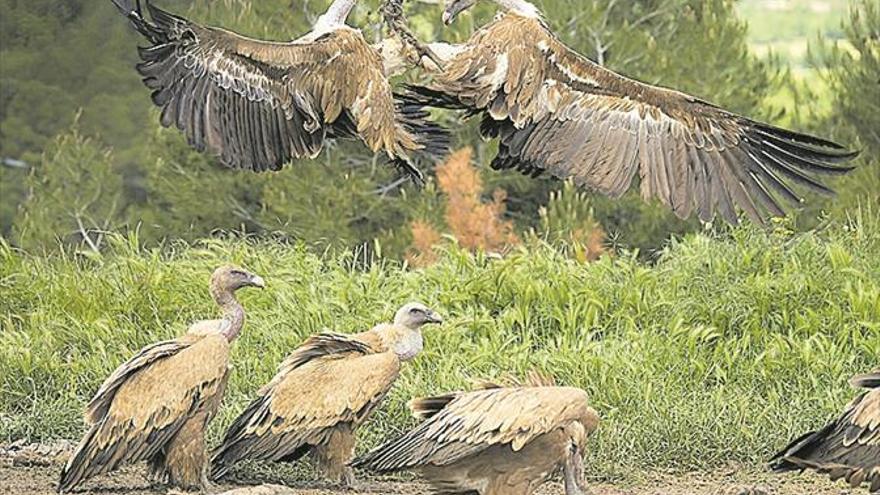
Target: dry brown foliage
x=475 y=224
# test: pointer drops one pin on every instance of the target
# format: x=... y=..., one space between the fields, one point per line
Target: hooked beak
x=257 y=281
x=434 y=317
x=454 y=8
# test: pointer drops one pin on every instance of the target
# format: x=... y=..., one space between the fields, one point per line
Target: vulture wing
x=460 y=425
x=260 y=104
x=329 y=381
x=849 y=447
x=145 y=402
x=556 y=111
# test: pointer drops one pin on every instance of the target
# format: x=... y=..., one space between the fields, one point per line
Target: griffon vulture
x=155 y=407
x=848 y=447
x=259 y=104
x=321 y=394
x=556 y=111
x=496 y=440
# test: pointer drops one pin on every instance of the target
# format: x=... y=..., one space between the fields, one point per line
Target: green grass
x=722 y=350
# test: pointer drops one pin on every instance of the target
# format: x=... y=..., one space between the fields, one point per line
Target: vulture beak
x=455 y=7
x=433 y=317
x=257 y=281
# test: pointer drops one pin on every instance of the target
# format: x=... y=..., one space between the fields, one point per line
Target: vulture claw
x=392 y=12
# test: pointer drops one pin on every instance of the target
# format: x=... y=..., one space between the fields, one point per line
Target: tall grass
x=721 y=351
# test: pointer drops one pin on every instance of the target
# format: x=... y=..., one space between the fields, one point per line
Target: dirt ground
x=40 y=480
x=37 y=475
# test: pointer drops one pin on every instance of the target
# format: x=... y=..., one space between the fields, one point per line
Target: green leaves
x=719 y=351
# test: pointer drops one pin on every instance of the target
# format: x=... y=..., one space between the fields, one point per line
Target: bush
x=723 y=350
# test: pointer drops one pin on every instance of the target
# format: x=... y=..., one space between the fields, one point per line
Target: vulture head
x=455 y=7
x=414 y=315
x=228 y=279
x=573 y=469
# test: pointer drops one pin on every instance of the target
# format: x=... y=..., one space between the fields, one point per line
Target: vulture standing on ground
x=322 y=393
x=155 y=407
x=848 y=447
x=556 y=111
x=494 y=441
x=259 y=104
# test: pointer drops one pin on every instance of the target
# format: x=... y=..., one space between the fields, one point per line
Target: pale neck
x=233 y=313
x=520 y=7
x=335 y=15
x=406 y=342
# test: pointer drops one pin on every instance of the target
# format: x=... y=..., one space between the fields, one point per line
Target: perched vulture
x=155 y=407
x=321 y=394
x=259 y=104
x=496 y=440
x=556 y=111
x=848 y=447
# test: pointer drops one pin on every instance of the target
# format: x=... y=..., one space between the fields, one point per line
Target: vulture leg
x=183 y=462
x=573 y=475
x=333 y=455
x=392 y=12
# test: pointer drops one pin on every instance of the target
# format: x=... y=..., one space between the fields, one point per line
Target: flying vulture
x=155 y=407
x=497 y=440
x=848 y=447
x=321 y=394
x=555 y=111
x=259 y=104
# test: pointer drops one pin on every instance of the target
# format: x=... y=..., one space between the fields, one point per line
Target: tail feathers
x=786 y=460
x=434 y=139
x=429 y=97
x=869 y=380
x=427 y=407
x=410 y=171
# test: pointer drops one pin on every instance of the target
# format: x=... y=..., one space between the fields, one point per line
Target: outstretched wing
x=260 y=104
x=330 y=381
x=558 y=112
x=849 y=447
x=145 y=402
x=463 y=424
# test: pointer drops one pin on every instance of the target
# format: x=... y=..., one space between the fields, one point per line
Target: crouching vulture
x=259 y=104
x=155 y=407
x=321 y=394
x=848 y=447
x=558 y=112
x=497 y=440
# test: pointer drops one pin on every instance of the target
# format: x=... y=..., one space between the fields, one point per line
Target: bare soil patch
x=30 y=473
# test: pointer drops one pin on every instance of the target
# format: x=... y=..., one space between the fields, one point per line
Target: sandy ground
x=40 y=480
x=37 y=475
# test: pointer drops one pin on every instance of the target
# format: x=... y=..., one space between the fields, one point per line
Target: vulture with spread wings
x=260 y=104
x=555 y=111
x=497 y=440
x=848 y=447
x=156 y=406
x=322 y=393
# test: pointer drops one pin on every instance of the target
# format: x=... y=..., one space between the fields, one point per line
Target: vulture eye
x=415 y=311
x=238 y=273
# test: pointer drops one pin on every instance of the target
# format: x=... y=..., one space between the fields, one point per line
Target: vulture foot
x=392 y=12
x=348 y=479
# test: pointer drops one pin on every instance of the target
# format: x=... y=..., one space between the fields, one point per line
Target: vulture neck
x=334 y=17
x=521 y=7
x=233 y=312
x=406 y=342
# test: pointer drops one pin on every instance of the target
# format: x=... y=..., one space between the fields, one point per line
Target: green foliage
x=723 y=350
x=74 y=196
x=56 y=64
x=852 y=72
